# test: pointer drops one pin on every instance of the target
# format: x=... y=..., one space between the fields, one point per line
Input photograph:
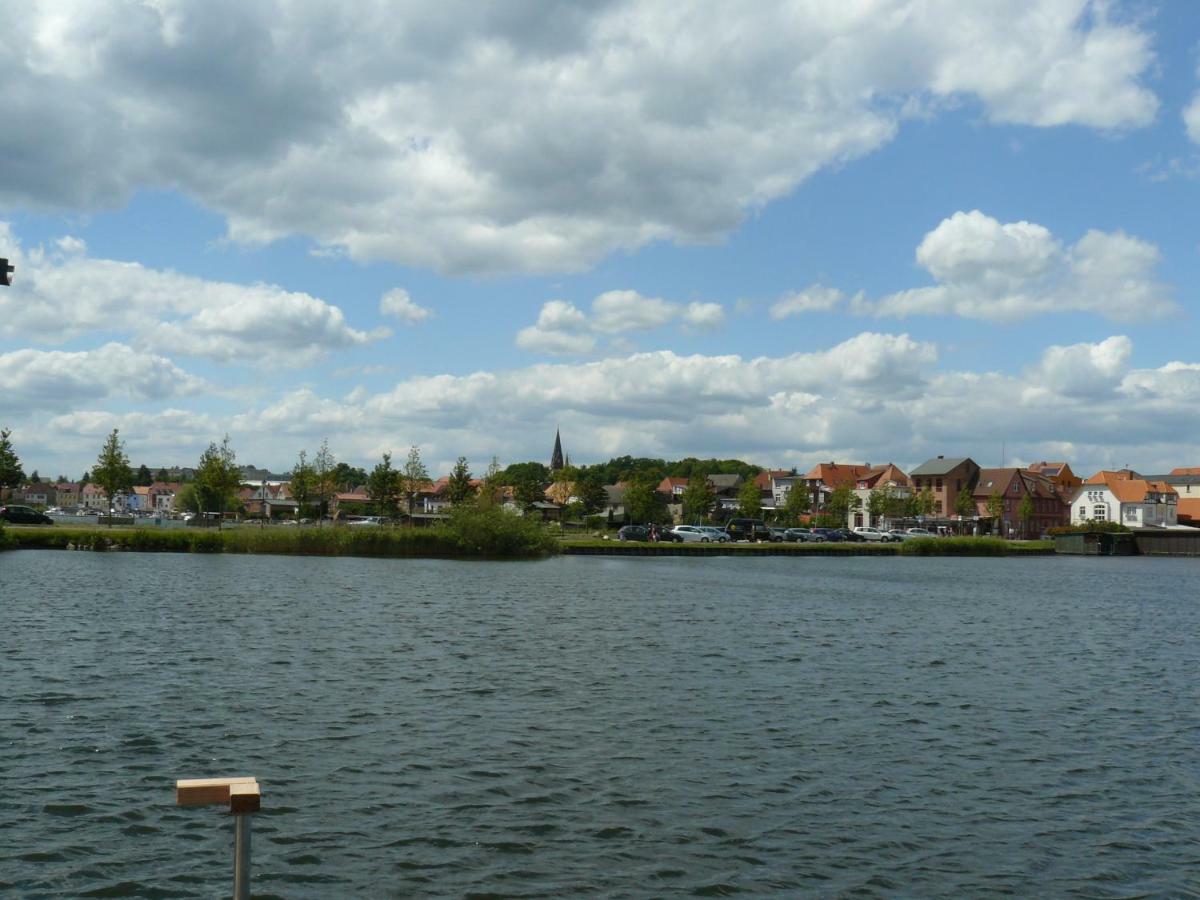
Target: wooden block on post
x=244 y=798
x=201 y=791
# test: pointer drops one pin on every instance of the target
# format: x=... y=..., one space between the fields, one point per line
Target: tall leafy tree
x=797 y=503
x=35 y=478
x=458 y=486
x=11 y=473
x=840 y=503
x=324 y=476
x=750 y=500
x=995 y=509
x=528 y=489
x=143 y=477
x=592 y=496
x=112 y=472
x=697 y=499
x=924 y=503
x=304 y=482
x=879 y=501
x=413 y=477
x=383 y=486
x=348 y=477
x=1025 y=513
x=964 y=503
x=491 y=491
x=640 y=500
x=217 y=478
x=161 y=475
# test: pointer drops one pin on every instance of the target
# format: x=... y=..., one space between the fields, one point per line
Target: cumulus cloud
x=58 y=380
x=523 y=137
x=564 y=329
x=61 y=295
x=398 y=303
x=814 y=298
x=985 y=269
x=1191 y=119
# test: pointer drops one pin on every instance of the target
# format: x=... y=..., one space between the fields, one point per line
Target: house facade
x=1047 y=507
x=887 y=477
x=1115 y=496
x=946 y=478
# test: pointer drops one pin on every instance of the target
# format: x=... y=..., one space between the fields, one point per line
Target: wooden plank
x=244 y=798
x=200 y=791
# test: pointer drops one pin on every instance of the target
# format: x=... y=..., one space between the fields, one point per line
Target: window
x=1100 y=512
x=939 y=484
x=1082 y=513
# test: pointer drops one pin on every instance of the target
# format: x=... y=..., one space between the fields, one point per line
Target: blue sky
x=791 y=232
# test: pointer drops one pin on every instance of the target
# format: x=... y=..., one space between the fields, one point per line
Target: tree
x=35 y=478
x=879 y=501
x=964 y=503
x=187 y=500
x=324 y=476
x=303 y=483
x=995 y=509
x=924 y=503
x=698 y=499
x=11 y=473
x=383 y=486
x=458 y=485
x=217 y=479
x=797 y=503
x=1025 y=513
x=491 y=491
x=528 y=490
x=112 y=472
x=592 y=496
x=640 y=501
x=161 y=475
x=750 y=500
x=143 y=477
x=413 y=477
x=840 y=501
x=524 y=470
x=348 y=476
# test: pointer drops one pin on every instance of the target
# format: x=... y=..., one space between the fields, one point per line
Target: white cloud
x=814 y=298
x=1005 y=272
x=40 y=380
x=58 y=296
x=1085 y=370
x=523 y=137
x=1191 y=119
x=398 y=303
x=563 y=329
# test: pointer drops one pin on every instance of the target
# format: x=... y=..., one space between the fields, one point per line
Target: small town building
x=945 y=477
x=1047 y=508
x=1121 y=496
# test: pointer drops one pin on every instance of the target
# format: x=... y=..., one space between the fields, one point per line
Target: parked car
x=852 y=537
x=778 y=535
x=899 y=535
x=692 y=534
x=832 y=535
x=714 y=533
x=24 y=515
x=919 y=532
x=662 y=533
x=633 y=533
x=806 y=535
x=876 y=534
x=365 y=520
x=747 y=530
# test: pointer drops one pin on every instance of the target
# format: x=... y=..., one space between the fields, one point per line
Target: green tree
x=964 y=503
x=698 y=499
x=491 y=490
x=750 y=500
x=161 y=475
x=325 y=483
x=924 y=503
x=640 y=501
x=348 y=477
x=11 y=473
x=1025 y=513
x=413 y=477
x=383 y=487
x=217 y=479
x=839 y=504
x=995 y=509
x=303 y=485
x=879 y=501
x=112 y=472
x=35 y=478
x=143 y=477
x=528 y=471
x=797 y=503
x=458 y=485
x=187 y=500
x=592 y=496
x=528 y=490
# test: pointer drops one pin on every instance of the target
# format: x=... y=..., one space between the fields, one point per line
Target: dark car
x=852 y=536
x=664 y=533
x=804 y=534
x=634 y=533
x=747 y=530
x=832 y=535
x=24 y=515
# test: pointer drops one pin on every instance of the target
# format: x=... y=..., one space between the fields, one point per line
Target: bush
x=1087 y=527
x=954 y=546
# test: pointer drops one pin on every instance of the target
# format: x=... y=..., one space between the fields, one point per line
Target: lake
x=627 y=727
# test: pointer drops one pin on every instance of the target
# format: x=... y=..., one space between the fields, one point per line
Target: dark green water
x=603 y=727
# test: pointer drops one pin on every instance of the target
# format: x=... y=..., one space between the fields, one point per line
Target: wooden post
x=244 y=798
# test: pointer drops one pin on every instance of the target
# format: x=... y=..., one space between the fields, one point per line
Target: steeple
x=556 y=458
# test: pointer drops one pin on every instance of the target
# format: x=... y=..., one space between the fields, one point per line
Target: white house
x=1117 y=497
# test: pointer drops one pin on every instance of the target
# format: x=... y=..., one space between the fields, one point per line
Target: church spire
x=556 y=458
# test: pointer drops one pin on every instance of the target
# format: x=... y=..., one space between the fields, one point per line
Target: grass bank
x=486 y=534
x=974 y=546
x=966 y=546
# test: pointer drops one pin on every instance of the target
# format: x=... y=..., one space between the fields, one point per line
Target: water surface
x=602 y=727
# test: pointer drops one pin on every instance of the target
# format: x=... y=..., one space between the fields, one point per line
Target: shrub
x=954 y=546
x=1104 y=527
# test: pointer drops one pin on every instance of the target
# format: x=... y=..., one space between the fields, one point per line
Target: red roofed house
x=1120 y=496
x=878 y=478
x=825 y=478
x=1050 y=507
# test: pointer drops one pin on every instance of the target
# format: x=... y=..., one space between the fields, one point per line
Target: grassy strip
x=973 y=546
x=728 y=549
x=487 y=534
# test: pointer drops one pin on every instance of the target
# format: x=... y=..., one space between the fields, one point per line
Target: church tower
x=556 y=458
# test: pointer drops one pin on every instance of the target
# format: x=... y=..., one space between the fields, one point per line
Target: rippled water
x=615 y=727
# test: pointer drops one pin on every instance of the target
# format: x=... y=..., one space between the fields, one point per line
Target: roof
x=942 y=465
x=886 y=474
x=1174 y=478
x=1106 y=476
x=669 y=483
x=1189 y=509
x=724 y=482
x=1186 y=470
x=997 y=481
x=1128 y=490
x=836 y=474
x=615 y=493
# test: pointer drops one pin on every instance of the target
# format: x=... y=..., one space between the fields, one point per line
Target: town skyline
x=802 y=232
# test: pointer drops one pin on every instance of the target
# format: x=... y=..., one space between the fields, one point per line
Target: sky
x=789 y=232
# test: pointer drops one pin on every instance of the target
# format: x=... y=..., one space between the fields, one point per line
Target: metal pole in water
x=241 y=857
